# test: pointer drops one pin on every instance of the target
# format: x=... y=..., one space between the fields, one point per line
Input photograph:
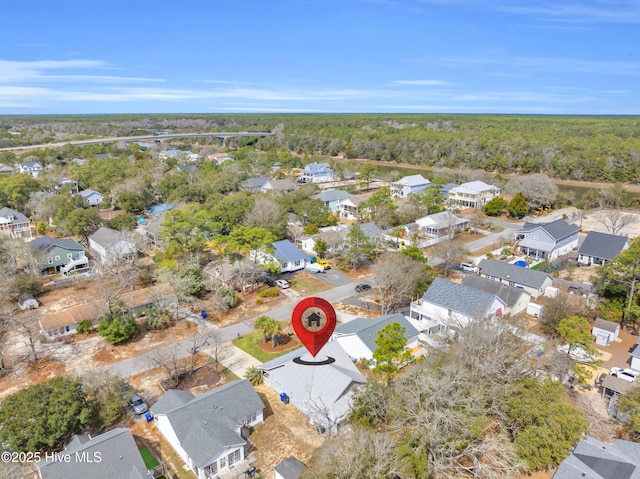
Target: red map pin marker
x=313 y=319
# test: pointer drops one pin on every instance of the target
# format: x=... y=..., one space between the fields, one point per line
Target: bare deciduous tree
x=538 y=188
x=450 y=252
x=614 y=221
x=168 y=360
x=396 y=278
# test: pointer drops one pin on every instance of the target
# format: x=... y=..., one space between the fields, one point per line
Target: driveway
x=334 y=277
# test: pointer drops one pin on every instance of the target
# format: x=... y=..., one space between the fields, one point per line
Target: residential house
x=605 y=331
x=32 y=168
x=64 y=323
x=322 y=391
x=111 y=455
x=441 y=225
x=4 y=169
x=219 y=158
x=601 y=248
x=284 y=253
x=91 y=197
x=289 y=468
x=516 y=299
x=285 y=184
x=151 y=228
x=350 y=208
x=111 y=246
x=594 y=459
x=445 y=189
x=547 y=241
x=72 y=185
x=532 y=281
x=357 y=337
x=14 y=224
x=187 y=155
x=109 y=215
x=333 y=198
x=187 y=168
x=451 y=306
x=373 y=233
x=332 y=235
x=473 y=194
x=56 y=255
x=210 y=432
x=635 y=356
x=253 y=185
x=408 y=185
x=316 y=173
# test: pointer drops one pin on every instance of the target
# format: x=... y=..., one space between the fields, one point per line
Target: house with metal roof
x=111 y=246
x=32 y=168
x=441 y=225
x=14 y=224
x=253 y=185
x=332 y=198
x=516 y=299
x=91 y=197
x=284 y=253
x=594 y=459
x=601 y=248
x=289 y=468
x=358 y=337
x=451 y=306
x=210 y=432
x=316 y=173
x=59 y=255
x=473 y=194
x=111 y=455
x=549 y=240
x=408 y=185
x=532 y=281
x=322 y=391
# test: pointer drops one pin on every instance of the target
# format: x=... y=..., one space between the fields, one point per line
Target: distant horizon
x=322 y=57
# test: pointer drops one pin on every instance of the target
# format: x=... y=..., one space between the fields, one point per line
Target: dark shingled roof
x=517 y=274
x=557 y=229
x=45 y=242
x=602 y=245
x=367 y=329
x=593 y=459
x=462 y=299
x=290 y=468
x=509 y=294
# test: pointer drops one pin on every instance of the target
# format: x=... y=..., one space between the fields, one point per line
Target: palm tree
x=254 y=375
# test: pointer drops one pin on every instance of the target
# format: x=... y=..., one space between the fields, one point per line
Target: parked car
x=138 y=404
x=627 y=374
x=323 y=263
x=362 y=287
x=281 y=283
x=468 y=267
x=269 y=281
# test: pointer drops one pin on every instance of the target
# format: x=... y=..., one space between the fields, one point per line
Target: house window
x=211 y=468
x=297 y=263
x=278 y=385
x=223 y=462
x=234 y=457
x=251 y=418
x=70 y=255
x=57 y=257
x=50 y=260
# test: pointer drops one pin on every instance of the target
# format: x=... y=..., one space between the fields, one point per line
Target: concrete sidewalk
x=237 y=360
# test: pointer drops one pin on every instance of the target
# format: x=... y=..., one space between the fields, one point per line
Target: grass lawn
x=149 y=461
x=249 y=344
x=308 y=285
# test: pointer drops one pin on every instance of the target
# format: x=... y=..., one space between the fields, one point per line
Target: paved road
x=235 y=359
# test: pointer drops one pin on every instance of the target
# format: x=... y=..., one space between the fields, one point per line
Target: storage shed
x=535 y=310
x=605 y=331
x=27 y=301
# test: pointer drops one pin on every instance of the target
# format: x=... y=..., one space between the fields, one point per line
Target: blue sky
x=414 y=56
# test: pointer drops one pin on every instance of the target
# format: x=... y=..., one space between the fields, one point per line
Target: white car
x=627 y=374
x=577 y=353
x=468 y=267
x=282 y=284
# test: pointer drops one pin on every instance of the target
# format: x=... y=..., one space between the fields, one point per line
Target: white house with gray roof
x=112 y=455
x=440 y=225
x=358 y=337
x=32 y=168
x=601 y=248
x=473 y=194
x=408 y=185
x=14 y=224
x=516 y=299
x=549 y=240
x=323 y=391
x=283 y=253
x=209 y=432
x=316 y=173
x=594 y=459
x=332 y=198
x=532 y=281
x=111 y=246
x=91 y=197
x=447 y=305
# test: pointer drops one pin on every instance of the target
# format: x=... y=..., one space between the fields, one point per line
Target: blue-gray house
x=408 y=185
x=316 y=173
x=333 y=198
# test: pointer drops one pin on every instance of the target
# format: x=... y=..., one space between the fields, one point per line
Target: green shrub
x=158 y=318
x=269 y=293
x=259 y=301
x=84 y=326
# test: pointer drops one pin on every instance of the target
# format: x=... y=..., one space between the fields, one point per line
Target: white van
x=469 y=268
